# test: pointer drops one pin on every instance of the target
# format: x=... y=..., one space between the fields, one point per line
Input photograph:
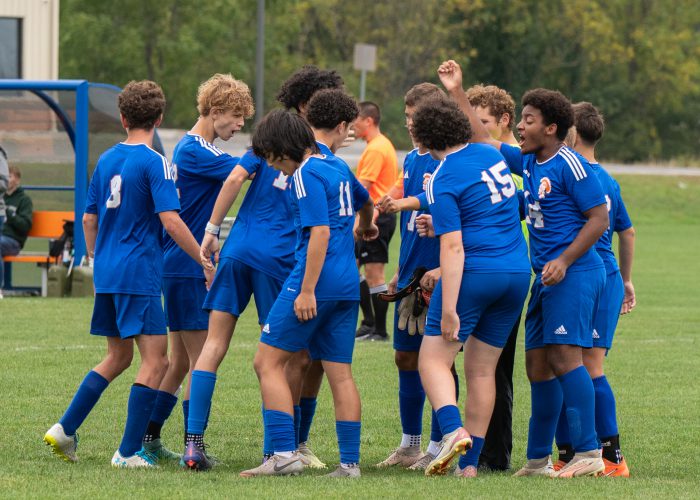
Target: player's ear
x=158 y=121
x=125 y=124
x=550 y=129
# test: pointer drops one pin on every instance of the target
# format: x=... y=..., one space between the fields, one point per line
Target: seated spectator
x=18 y=219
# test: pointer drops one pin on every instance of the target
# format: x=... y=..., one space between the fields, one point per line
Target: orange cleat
x=616 y=470
x=559 y=465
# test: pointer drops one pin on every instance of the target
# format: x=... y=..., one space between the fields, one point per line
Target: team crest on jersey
x=426 y=178
x=545 y=187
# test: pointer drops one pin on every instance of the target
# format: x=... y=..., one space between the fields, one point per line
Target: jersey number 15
x=506 y=187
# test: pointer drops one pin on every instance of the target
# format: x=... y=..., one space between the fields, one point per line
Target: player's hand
x=449 y=326
x=305 y=306
x=554 y=271
x=368 y=233
x=209 y=273
x=430 y=279
x=424 y=226
x=350 y=138
x=450 y=75
x=210 y=246
x=629 y=300
x=388 y=205
x=392 y=286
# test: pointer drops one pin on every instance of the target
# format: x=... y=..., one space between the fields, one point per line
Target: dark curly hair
x=141 y=103
x=330 y=107
x=554 y=106
x=282 y=133
x=298 y=88
x=589 y=122
x=439 y=124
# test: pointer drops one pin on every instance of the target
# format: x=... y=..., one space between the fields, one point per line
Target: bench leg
x=44 y=281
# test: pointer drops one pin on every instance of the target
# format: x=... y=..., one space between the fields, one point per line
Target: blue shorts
x=330 y=336
x=124 y=315
x=488 y=306
x=563 y=313
x=402 y=340
x=608 y=313
x=184 y=298
x=234 y=284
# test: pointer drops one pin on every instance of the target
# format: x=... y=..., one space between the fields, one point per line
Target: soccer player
x=474 y=208
x=317 y=308
x=566 y=214
x=131 y=198
x=377 y=171
x=618 y=297
x=200 y=169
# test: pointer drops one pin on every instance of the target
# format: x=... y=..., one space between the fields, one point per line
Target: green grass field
x=45 y=351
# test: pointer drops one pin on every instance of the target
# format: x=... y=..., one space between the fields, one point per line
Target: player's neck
x=325 y=138
x=508 y=138
x=548 y=150
x=140 y=136
x=372 y=134
x=587 y=152
x=205 y=129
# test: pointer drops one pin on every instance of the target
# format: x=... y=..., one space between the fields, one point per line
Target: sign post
x=365 y=60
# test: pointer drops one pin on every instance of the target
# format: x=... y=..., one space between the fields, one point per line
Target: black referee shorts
x=377 y=251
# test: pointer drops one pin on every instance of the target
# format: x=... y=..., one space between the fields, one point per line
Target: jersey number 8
x=115 y=188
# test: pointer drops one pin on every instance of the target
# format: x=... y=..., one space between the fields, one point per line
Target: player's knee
x=119 y=361
x=179 y=364
x=406 y=361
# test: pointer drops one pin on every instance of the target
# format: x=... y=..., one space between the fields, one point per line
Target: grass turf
x=45 y=351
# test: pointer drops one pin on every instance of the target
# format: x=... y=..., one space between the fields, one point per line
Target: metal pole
x=260 y=63
x=363 y=82
x=81 y=166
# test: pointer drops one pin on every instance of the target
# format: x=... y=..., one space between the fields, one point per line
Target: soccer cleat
x=374 y=337
x=455 y=443
x=559 y=465
x=350 y=472
x=277 y=466
x=62 y=445
x=588 y=463
x=537 y=467
x=139 y=460
x=159 y=451
x=468 y=471
x=403 y=456
x=616 y=470
x=309 y=458
x=423 y=462
x=195 y=458
x=364 y=330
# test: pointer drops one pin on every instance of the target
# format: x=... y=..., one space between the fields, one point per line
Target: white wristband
x=212 y=228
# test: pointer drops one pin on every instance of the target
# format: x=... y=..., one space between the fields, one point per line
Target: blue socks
x=546 y=400
x=472 y=456
x=605 y=409
x=268 y=450
x=185 y=412
x=308 y=409
x=411 y=401
x=435 y=431
x=449 y=418
x=279 y=426
x=200 y=400
x=163 y=407
x=348 y=433
x=141 y=402
x=297 y=423
x=579 y=398
x=85 y=399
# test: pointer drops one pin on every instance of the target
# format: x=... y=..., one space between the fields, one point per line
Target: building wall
x=39 y=36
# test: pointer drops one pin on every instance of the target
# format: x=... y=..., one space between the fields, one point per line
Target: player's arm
x=180 y=233
x=389 y=205
x=90 y=225
x=305 y=303
x=451 y=267
x=366 y=228
x=626 y=250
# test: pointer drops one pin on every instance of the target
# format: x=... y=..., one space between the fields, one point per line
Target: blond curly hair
x=493 y=98
x=225 y=93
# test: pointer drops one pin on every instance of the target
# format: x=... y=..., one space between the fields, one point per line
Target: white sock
x=433 y=448
x=284 y=454
x=410 y=440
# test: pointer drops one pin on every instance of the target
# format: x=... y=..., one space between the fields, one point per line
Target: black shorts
x=377 y=251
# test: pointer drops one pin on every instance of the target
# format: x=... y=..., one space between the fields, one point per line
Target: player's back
x=200 y=169
x=617 y=214
x=130 y=186
x=477 y=183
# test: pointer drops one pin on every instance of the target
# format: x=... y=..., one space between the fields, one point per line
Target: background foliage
x=637 y=60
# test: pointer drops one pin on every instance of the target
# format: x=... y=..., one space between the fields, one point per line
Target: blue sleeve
x=582 y=184
x=514 y=158
x=444 y=204
x=310 y=191
x=360 y=195
x=91 y=201
x=622 y=219
x=423 y=200
x=250 y=162
x=160 y=180
x=213 y=164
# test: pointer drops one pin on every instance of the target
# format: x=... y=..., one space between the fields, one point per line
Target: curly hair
x=439 y=124
x=225 y=93
x=495 y=99
x=282 y=133
x=298 y=88
x=589 y=122
x=330 y=107
x=422 y=91
x=141 y=103
x=554 y=106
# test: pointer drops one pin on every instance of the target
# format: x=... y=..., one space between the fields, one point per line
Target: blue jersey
x=472 y=191
x=557 y=192
x=263 y=234
x=131 y=185
x=326 y=193
x=617 y=212
x=200 y=170
x=416 y=251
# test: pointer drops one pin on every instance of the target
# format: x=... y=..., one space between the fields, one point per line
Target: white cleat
x=309 y=458
x=423 y=463
x=277 y=465
x=537 y=467
x=62 y=445
x=351 y=472
x=588 y=463
x=139 y=460
x=403 y=456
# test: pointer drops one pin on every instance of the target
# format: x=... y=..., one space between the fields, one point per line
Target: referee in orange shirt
x=377 y=171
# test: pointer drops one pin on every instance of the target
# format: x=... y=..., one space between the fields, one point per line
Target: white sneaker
x=139 y=460
x=537 y=467
x=588 y=463
x=277 y=465
x=403 y=456
x=309 y=458
x=62 y=445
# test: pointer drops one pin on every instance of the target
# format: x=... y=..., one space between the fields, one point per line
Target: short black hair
x=555 y=108
x=369 y=109
x=282 y=133
x=439 y=124
x=330 y=107
x=589 y=122
x=302 y=85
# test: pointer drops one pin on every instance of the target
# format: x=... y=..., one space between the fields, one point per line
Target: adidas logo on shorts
x=266 y=328
x=560 y=331
x=595 y=334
